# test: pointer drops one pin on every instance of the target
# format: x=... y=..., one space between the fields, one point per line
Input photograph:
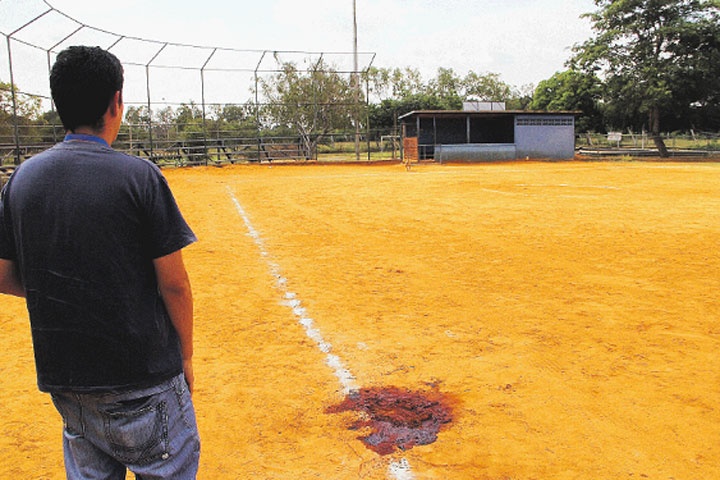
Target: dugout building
x=487 y=135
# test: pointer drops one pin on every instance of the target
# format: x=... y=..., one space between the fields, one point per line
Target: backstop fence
x=185 y=104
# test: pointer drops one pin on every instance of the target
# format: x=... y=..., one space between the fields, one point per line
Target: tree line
x=651 y=65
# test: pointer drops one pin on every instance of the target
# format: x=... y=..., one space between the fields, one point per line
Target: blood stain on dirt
x=397 y=418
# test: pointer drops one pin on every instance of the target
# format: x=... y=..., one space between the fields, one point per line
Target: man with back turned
x=93 y=239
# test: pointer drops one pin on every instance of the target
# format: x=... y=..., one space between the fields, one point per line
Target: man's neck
x=84 y=137
x=89 y=131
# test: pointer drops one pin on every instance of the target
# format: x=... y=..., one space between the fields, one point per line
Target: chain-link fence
x=185 y=104
x=640 y=144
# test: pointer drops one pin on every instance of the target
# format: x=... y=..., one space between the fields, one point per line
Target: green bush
x=713 y=146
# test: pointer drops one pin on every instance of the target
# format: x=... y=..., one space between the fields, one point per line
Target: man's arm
x=9 y=279
x=174 y=286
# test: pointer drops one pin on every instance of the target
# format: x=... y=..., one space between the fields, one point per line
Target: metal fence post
x=13 y=93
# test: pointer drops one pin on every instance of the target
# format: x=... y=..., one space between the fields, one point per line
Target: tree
x=393 y=84
x=488 y=87
x=521 y=97
x=233 y=121
x=312 y=103
x=27 y=107
x=654 y=54
x=571 y=90
x=447 y=87
x=137 y=115
x=20 y=120
x=402 y=90
x=407 y=82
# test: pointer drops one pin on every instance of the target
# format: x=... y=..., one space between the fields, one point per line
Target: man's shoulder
x=77 y=164
x=94 y=151
x=135 y=161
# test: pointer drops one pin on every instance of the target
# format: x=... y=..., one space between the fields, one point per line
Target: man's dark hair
x=83 y=80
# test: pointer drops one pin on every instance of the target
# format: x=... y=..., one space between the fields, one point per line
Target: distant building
x=477 y=134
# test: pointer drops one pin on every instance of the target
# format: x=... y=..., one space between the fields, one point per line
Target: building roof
x=460 y=113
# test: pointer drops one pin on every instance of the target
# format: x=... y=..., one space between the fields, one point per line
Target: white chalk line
x=398 y=469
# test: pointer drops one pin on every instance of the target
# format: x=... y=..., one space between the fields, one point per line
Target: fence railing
x=172 y=145
x=701 y=141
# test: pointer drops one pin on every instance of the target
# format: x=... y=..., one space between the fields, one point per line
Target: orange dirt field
x=569 y=312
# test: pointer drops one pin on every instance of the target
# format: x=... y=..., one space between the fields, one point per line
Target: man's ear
x=116 y=103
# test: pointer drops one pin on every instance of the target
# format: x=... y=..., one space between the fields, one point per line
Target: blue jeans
x=151 y=432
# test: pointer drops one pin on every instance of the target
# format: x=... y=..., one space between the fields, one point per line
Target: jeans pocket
x=67 y=408
x=137 y=430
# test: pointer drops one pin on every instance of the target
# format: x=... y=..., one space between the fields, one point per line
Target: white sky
x=524 y=41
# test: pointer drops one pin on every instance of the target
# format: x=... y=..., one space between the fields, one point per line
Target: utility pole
x=356 y=83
